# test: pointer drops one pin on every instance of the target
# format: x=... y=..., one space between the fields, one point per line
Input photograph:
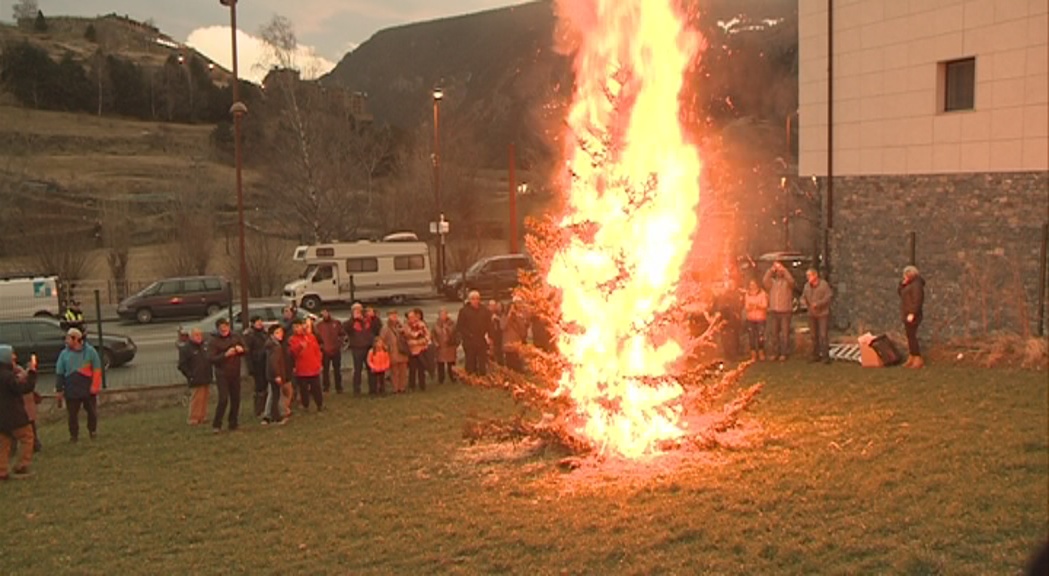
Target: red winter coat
x=378 y=360
x=306 y=351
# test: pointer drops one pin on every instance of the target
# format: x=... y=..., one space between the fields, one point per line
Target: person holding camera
x=15 y=424
x=779 y=283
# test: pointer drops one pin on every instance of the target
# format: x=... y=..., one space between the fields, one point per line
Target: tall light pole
x=438 y=95
x=238 y=110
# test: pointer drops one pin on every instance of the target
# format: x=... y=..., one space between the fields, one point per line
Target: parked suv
x=494 y=276
x=177 y=298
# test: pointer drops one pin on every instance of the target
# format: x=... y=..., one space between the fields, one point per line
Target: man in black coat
x=256 y=338
x=360 y=336
x=278 y=375
x=226 y=350
x=14 y=421
x=194 y=364
x=912 y=301
x=473 y=326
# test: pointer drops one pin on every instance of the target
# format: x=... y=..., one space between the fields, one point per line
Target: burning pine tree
x=617 y=379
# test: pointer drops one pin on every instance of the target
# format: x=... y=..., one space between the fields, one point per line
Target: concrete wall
x=978 y=242
x=888 y=56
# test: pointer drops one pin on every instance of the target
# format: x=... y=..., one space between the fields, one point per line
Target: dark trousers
x=90 y=405
x=476 y=360
x=311 y=386
x=333 y=362
x=497 y=351
x=445 y=369
x=360 y=358
x=820 y=326
x=258 y=373
x=756 y=335
x=229 y=395
x=912 y=335
x=514 y=361
x=779 y=327
x=416 y=372
x=273 y=406
x=376 y=383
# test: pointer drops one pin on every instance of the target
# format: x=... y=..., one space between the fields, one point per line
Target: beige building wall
x=888 y=92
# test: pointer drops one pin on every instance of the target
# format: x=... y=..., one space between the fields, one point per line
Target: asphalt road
x=156 y=359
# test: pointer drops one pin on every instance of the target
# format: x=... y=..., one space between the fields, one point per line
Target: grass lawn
x=851 y=471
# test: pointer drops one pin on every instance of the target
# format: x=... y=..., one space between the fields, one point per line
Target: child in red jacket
x=378 y=364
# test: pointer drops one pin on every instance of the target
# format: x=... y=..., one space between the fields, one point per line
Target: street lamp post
x=238 y=110
x=438 y=95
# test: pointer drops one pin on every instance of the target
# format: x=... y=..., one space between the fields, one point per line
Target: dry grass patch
x=847 y=471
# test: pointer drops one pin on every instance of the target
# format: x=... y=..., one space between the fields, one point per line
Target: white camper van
x=361 y=271
x=27 y=297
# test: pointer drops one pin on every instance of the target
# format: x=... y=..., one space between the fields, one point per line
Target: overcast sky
x=328 y=28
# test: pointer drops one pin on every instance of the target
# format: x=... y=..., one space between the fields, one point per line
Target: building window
x=959 y=85
x=409 y=263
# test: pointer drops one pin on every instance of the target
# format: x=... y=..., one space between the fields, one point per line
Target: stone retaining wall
x=978 y=242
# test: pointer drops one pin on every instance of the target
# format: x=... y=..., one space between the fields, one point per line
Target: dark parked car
x=493 y=277
x=177 y=298
x=270 y=312
x=46 y=338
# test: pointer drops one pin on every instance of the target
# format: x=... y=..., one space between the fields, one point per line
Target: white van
x=28 y=297
x=361 y=271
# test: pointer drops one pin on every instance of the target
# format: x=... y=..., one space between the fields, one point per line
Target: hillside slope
x=504 y=81
x=497 y=68
x=135 y=42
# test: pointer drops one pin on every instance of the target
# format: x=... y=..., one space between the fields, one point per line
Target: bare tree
x=118 y=229
x=100 y=69
x=370 y=151
x=282 y=45
x=266 y=258
x=407 y=202
x=25 y=9
x=321 y=166
x=411 y=203
x=192 y=225
x=52 y=234
x=61 y=249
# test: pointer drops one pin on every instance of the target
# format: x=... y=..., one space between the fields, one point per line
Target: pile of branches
x=712 y=400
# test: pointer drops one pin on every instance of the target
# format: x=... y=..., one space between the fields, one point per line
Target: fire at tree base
x=712 y=404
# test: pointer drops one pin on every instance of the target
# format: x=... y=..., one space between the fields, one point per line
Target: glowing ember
x=635 y=188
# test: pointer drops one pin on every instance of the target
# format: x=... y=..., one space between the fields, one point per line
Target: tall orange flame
x=635 y=188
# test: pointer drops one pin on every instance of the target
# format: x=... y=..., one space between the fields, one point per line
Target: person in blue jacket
x=78 y=380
